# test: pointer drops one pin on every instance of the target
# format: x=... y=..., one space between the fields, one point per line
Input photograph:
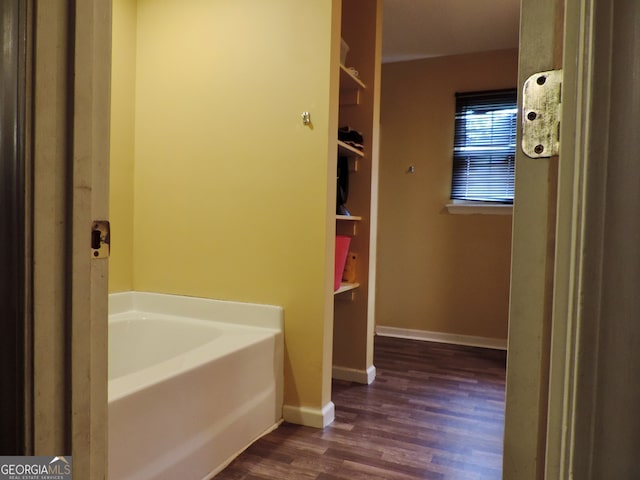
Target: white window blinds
x=484 y=146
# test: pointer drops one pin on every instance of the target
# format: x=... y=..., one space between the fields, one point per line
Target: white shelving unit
x=346 y=287
x=345 y=150
x=358 y=108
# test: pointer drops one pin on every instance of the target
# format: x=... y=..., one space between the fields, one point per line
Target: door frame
x=569 y=235
x=595 y=358
x=90 y=202
x=69 y=182
x=13 y=345
x=571 y=322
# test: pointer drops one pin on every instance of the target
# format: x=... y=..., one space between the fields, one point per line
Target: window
x=484 y=146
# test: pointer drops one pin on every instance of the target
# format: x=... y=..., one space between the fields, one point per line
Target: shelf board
x=349 y=80
x=346 y=287
x=350 y=218
x=345 y=150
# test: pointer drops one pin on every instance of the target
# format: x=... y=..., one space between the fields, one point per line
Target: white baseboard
x=468 y=340
x=310 y=417
x=366 y=377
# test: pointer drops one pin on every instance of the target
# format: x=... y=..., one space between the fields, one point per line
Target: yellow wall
x=231 y=189
x=123 y=78
x=437 y=272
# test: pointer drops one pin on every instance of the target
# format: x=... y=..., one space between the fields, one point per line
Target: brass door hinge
x=100 y=239
x=541 y=110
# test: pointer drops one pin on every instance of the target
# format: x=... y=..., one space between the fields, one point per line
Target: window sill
x=475 y=208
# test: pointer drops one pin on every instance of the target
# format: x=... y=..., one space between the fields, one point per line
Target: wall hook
x=306 y=118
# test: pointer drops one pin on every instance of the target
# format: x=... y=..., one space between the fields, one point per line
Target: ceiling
x=415 y=29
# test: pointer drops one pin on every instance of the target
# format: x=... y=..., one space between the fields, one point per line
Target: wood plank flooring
x=435 y=412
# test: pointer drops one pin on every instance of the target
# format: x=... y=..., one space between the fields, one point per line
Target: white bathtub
x=192 y=383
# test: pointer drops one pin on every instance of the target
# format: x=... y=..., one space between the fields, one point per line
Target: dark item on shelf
x=351 y=137
x=342 y=188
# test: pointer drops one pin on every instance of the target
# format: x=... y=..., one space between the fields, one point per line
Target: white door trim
x=90 y=194
x=531 y=295
x=71 y=74
x=594 y=392
x=574 y=154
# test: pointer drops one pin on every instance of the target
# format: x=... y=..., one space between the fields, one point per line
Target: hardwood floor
x=435 y=411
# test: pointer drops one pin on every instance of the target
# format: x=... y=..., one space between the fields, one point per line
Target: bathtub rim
x=225 y=311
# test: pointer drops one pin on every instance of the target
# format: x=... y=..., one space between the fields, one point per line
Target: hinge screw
x=539 y=149
x=532 y=115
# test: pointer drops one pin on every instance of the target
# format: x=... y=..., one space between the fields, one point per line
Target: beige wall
x=231 y=190
x=437 y=272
